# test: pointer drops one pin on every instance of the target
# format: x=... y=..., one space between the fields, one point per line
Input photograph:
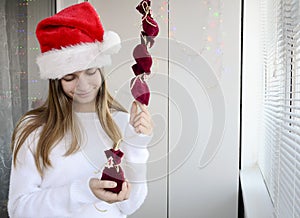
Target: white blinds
x=279 y=158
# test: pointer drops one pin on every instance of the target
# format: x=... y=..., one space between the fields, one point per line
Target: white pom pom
x=111 y=42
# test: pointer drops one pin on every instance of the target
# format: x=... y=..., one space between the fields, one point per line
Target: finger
x=128 y=190
x=140 y=121
x=143 y=120
x=143 y=129
x=106 y=184
x=122 y=193
x=133 y=111
x=143 y=107
x=97 y=187
x=142 y=114
x=108 y=196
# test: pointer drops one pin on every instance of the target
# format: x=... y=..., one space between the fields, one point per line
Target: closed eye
x=91 y=71
x=69 y=77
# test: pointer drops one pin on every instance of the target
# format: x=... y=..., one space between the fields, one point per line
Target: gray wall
x=193 y=169
x=195 y=84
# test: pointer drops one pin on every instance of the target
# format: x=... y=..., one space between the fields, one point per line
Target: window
x=20 y=85
x=279 y=157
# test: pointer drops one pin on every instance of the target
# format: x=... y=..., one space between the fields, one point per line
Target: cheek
x=97 y=85
x=68 y=88
x=96 y=82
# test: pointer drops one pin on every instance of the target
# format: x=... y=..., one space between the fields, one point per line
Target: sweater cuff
x=80 y=190
x=135 y=139
x=135 y=145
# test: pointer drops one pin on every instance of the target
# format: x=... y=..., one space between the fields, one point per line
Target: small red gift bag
x=112 y=170
x=143 y=60
x=140 y=90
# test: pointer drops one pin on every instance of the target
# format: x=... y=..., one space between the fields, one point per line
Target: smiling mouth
x=82 y=94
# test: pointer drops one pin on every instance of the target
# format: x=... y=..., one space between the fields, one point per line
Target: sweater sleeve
x=136 y=155
x=28 y=199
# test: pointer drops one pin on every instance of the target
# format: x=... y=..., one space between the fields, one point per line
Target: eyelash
x=91 y=73
x=68 y=80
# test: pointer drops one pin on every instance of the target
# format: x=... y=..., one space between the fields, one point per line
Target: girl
x=58 y=148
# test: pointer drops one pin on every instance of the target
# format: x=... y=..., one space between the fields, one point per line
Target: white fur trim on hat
x=57 y=63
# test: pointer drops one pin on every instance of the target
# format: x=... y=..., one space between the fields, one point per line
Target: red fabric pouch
x=112 y=170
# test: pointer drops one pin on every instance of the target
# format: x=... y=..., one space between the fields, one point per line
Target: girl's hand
x=141 y=121
x=98 y=188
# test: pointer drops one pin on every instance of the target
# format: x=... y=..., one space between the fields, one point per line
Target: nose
x=82 y=82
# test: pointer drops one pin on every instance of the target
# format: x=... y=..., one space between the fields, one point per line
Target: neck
x=87 y=107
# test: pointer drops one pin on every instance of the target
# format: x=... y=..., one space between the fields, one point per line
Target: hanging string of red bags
x=138 y=86
x=142 y=67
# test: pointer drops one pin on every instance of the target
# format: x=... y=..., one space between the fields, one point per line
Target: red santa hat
x=74 y=40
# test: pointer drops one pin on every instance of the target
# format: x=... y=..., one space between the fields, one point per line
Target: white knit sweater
x=64 y=190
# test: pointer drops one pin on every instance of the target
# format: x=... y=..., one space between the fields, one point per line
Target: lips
x=82 y=94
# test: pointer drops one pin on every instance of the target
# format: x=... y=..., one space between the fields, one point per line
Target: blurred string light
x=23 y=50
x=212 y=44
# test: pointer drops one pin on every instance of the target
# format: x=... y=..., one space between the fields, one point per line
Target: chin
x=84 y=100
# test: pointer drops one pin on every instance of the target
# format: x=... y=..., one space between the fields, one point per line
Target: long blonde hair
x=55 y=118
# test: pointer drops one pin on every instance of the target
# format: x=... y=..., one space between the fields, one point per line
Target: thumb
x=133 y=112
x=97 y=184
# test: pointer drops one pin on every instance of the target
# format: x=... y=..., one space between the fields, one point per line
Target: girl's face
x=82 y=87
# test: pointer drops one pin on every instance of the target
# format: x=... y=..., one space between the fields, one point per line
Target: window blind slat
x=290 y=147
x=280 y=156
x=292 y=139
